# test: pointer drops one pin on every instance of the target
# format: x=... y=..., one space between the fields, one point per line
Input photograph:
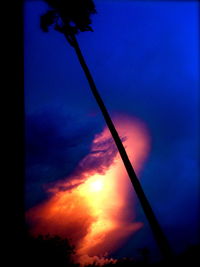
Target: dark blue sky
x=144 y=59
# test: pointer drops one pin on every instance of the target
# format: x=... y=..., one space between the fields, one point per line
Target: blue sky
x=144 y=60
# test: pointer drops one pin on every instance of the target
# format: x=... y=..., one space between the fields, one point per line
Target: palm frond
x=47 y=20
x=74 y=15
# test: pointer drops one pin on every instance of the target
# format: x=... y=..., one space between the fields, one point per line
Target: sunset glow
x=96 y=186
x=92 y=207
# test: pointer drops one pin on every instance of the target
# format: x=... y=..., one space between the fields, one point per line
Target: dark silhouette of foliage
x=70 y=17
x=51 y=251
x=145 y=254
x=48 y=251
x=190 y=257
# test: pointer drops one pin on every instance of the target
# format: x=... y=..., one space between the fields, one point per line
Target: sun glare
x=96 y=186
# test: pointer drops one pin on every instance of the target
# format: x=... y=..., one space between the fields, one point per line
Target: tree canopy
x=68 y=16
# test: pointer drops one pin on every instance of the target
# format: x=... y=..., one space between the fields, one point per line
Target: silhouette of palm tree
x=70 y=17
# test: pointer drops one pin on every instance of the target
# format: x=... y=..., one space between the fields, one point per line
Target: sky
x=143 y=56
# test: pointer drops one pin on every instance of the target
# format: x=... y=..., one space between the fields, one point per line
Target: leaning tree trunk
x=155 y=226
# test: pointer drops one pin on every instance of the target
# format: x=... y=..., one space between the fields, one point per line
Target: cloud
x=91 y=206
x=55 y=143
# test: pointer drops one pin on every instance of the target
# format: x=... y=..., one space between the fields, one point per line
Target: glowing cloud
x=92 y=208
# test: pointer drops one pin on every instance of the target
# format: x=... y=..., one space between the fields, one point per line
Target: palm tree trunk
x=156 y=229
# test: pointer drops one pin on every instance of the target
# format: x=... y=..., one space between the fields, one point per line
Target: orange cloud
x=92 y=208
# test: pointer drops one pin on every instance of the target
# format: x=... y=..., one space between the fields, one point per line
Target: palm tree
x=70 y=17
